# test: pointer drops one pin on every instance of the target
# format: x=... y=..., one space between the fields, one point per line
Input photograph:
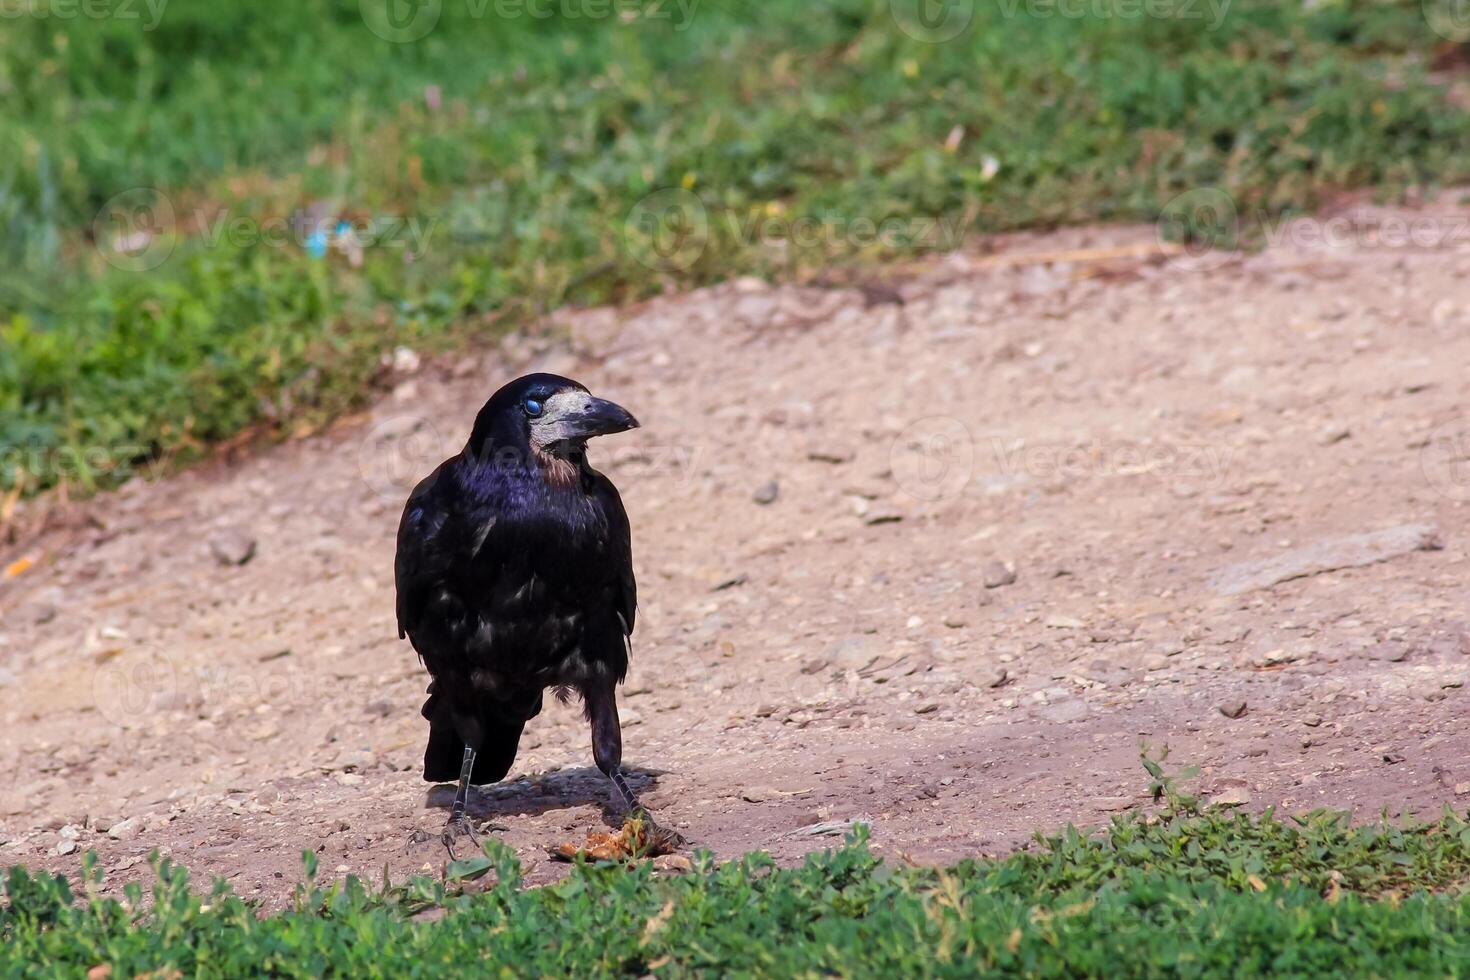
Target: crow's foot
x=660 y=839
x=457 y=827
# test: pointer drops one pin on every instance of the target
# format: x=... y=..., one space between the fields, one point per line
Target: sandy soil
x=1029 y=508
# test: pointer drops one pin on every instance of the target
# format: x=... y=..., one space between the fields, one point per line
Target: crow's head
x=550 y=416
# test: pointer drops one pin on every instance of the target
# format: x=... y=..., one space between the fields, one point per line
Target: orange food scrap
x=635 y=840
x=19 y=567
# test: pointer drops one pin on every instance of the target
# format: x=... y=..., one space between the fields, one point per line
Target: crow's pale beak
x=599 y=417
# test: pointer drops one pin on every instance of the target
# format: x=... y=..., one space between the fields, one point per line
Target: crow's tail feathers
x=500 y=734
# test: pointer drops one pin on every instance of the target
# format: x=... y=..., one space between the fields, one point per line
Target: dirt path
x=1128 y=437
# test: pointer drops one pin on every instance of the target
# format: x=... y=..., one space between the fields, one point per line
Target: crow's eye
x=534 y=407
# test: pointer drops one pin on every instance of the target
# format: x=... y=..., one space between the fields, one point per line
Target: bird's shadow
x=538 y=794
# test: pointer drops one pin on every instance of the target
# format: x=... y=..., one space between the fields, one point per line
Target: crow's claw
x=459 y=826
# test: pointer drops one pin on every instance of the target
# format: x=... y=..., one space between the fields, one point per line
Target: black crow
x=515 y=574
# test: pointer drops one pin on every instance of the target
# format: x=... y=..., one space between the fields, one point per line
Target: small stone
x=766 y=493
x=1072 y=709
x=998 y=678
x=1232 y=709
x=405 y=360
x=350 y=779
x=997 y=574
x=631 y=718
x=355 y=759
x=1231 y=796
x=1312 y=721
x=673 y=864
x=66 y=846
x=1462 y=788
x=232 y=547
x=757 y=794
x=766 y=710
x=881 y=514
x=1333 y=432
x=1064 y=623
x=926 y=709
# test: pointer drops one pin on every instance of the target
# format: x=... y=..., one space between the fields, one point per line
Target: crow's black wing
x=620 y=550
x=425 y=551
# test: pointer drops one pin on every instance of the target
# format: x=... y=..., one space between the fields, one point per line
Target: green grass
x=1195 y=896
x=226 y=118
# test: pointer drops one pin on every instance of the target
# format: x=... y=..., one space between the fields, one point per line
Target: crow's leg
x=607 y=752
x=459 y=825
x=462 y=797
x=607 y=744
